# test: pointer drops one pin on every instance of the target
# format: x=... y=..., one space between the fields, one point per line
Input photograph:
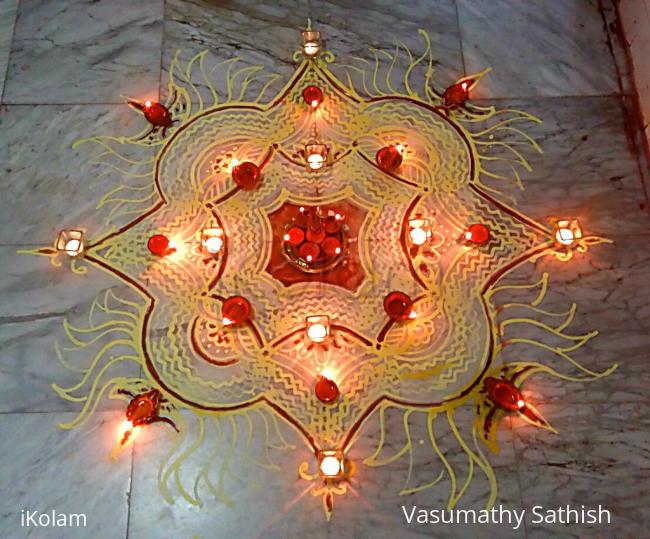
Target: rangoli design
x=318 y=257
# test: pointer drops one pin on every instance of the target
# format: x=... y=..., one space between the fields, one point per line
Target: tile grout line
x=460 y=38
x=162 y=49
x=476 y=100
x=11 y=48
x=129 y=495
x=636 y=131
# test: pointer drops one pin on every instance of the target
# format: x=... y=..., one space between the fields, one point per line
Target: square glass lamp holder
x=71 y=242
x=567 y=233
x=331 y=465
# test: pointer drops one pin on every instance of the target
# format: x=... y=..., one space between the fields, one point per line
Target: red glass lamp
x=504 y=394
x=389 y=158
x=235 y=310
x=159 y=245
x=398 y=306
x=313 y=96
x=246 y=175
x=477 y=234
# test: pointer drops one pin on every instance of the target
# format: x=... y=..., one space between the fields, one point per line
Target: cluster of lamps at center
x=236 y=310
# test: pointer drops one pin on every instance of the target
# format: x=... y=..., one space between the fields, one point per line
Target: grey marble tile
x=84 y=52
x=537 y=48
x=587 y=168
x=45 y=468
x=268 y=33
x=33 y=289
x=8 y=10
x=36 y=300
x=29 y=366
x=47 y=185
x=600 y=457
x=616 y=39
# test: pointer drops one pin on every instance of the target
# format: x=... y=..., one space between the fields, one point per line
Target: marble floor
x=64 y=65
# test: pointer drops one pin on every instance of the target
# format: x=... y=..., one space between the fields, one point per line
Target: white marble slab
x=46 y=468
x=8 y=10
x=84 y=52
x=600 y=457
x=537 y=48
x=47 y=185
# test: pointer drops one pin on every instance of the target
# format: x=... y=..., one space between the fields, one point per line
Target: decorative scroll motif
x=265 y=370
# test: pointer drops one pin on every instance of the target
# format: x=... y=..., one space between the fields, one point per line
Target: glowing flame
x=328 y=373
x=226 y=321
x=412 y=315
x=521 y=403
x=314 y=103
x=331 y=466
x=73 y=247
x=126 y=433
x=315 y=161
x=147 y=104
x=233 y=163
x=418 y=236
x=317 y=332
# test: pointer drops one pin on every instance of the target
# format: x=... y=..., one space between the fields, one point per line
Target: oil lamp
x=313 y=96
x=159 y=245
x=399 y=306
x=235 y=310
x=294 y=236
x=246 y=175
x=330 y=464
x=456 y=95
x=155 y=113
x=327 y=391
x=477 y=234
x=504 y=394
x=567 y=232
x=212 y=240
x=419 y=231
x=309 y=251
x=311 y=42
x=70 y=242
x=318 y=327
x=389 y=158
x=316 y=154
